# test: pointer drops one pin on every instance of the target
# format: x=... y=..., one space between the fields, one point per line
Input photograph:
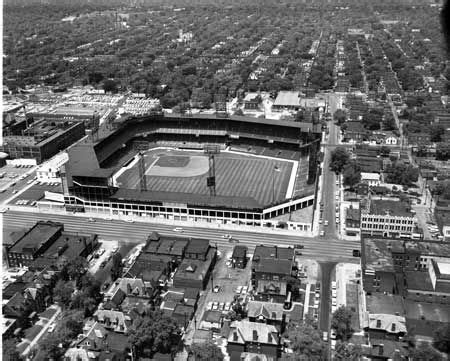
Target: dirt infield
x=172 y=161
x=179 y=166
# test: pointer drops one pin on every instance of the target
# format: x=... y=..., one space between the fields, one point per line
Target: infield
x=266 y=180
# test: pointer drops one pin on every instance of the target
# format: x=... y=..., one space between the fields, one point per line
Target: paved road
x=326 y=269
x=329 y=186
x=319 y=249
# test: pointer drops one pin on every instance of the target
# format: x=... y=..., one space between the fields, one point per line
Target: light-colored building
x=49 y=171
x=372 y=179
x=388 y=218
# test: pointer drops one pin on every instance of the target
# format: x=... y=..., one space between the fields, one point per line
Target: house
x=152 y=268
x=267 y=312
x=123 y=287
x=272 y=272
x=372 y=179
x=352 y=221
x=253 y=337
x=385 y=350
x=159 y=245
x=239 y=257
x=355 y=132
x=195 y=270
x=115 y=321
x=418 y=139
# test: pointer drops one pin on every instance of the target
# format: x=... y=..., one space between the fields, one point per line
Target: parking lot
x=10 y=174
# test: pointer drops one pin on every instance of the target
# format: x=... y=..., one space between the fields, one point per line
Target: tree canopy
x=441 y=338
x=400 y=173
x=306 y=342
x=342 y=323
x=206 y=351
x=345 y=351
x=154 y=333
x=339 y=158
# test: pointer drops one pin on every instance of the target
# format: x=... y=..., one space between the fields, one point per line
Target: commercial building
x=388 y=218
x=33 y=243
x=239 y=257
x=271 y=272
x=42 y=140
x=287 y=100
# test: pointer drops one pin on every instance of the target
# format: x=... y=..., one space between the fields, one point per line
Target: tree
x=206 y=351
x=62 y=293
x=443 y=151
x=436 y=132
x=110 y=86
x=352 y=174
x=339 y=158
x=9 y=351
x=72 y=324
x=346 y=351
x=306 y=341
x=400 y=173
x=339 y=116
x=371 y=120
x=116 y=268
x=76 y=268
x=153 y=333
x=425 y=352
x=342 y=323
x=384 y=151
x=441 y=337
x=53 y=347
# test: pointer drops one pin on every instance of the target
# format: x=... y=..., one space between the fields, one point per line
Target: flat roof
x=273 y=252
x=37 y=236
x=444 y=267
x=379 y=303
x=393 y=208
x=287 y=98
x=275 y=266
x=377 y=255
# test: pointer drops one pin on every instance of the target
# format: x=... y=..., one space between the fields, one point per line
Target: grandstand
x=246 y=189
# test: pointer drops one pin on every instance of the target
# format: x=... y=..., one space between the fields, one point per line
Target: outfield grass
x=236 y=175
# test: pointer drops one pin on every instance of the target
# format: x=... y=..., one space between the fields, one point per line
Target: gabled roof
x=266 y=310
x=386 y=322
x=245 y=331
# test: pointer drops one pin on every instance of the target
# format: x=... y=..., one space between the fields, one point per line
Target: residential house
x=254 y=337
x=267 y=312
x=372 y=179
x=252 y=101
x=112 y=320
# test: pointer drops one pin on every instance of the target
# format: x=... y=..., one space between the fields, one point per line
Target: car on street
x=227 y=306
x=103 y=264
x=239 y=290
x=215 y=306
x=322 y=233
x=325 y=336
x=221 y=306
x=227 y=236
x=325 y=223
x=333 y=285
x=51 y=328
x=178 y=229
x=299 y=246
x=333 y=344
x=333 y=334
x=334 y=302
x=233 y=240
x=209 y=307
x=129 y=220
x=216 y=289
x=91 y=220
x=333 y=293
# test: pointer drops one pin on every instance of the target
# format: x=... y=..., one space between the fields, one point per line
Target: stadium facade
x=88 y=176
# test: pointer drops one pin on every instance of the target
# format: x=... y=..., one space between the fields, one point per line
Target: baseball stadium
x=202 y=168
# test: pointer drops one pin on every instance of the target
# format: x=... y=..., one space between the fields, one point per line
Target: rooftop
x=274 y=266
x=287 y=98
x=239 y=251
x=40 y=233
x=198 y=245
x=377 y=255
x=246 y=331
x=273 y=252
x=390 y=207
x=386 y=304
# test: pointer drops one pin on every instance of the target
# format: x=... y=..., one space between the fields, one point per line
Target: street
x=330 y=250
x=326 y=268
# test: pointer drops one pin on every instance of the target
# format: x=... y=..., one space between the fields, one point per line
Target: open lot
x=237 y=175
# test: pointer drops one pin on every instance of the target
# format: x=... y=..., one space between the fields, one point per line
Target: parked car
x=216 y=289
x=178 y=229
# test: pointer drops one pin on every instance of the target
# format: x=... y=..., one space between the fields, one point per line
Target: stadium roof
x=83 y=161
x=200 y=200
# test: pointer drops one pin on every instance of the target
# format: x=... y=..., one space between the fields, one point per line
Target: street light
x=275 y=169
